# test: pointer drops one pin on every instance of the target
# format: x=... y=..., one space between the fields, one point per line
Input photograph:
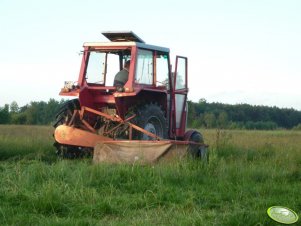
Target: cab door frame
x=180 y=91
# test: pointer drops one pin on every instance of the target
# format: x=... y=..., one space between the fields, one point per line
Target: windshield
x=103 y=66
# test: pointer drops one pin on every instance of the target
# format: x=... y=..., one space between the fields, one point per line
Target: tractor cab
x=150 y=79
x=149 y=65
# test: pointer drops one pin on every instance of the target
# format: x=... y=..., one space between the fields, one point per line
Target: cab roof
x=122 y=39
x=119 y=36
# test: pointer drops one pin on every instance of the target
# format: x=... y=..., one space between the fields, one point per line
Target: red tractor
x=148 y=107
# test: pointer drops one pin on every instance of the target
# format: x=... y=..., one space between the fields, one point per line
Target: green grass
x=248 y=172
x=19 y=142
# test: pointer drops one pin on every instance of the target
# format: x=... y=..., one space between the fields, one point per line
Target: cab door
x=180 y=95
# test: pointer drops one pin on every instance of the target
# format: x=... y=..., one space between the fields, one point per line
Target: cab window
x=162 y=69
x=103 y=66
x=144 y=68
x=95 y=73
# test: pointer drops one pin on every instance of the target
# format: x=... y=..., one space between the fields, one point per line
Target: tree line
x=241 y=116
x=34 y=113
x=201 y=114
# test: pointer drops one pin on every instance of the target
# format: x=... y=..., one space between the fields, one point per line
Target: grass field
x=248 y=172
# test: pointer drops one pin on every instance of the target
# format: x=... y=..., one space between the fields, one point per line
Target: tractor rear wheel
x=65 y=112
x=151 y=118
x=63 y=117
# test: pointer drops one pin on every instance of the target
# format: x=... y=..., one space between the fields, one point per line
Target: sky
x=238 y=51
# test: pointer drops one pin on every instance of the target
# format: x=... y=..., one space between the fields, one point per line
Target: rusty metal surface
x=77 y=137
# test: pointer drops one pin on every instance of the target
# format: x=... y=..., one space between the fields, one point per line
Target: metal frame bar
x=114 y=118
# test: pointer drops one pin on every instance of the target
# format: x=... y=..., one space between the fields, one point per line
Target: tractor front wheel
x=198 y=151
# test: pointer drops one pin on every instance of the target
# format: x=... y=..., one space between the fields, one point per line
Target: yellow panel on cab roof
x=122 y=36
